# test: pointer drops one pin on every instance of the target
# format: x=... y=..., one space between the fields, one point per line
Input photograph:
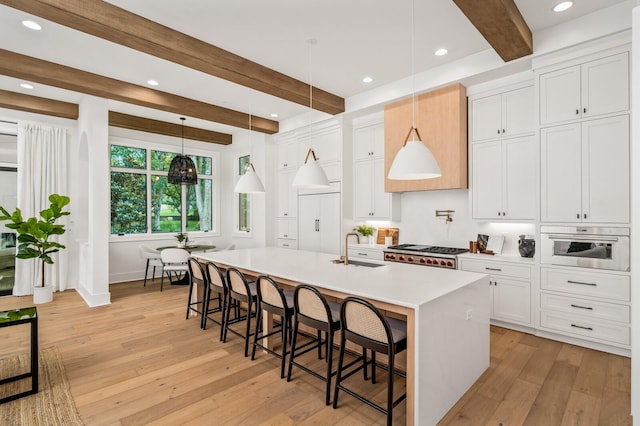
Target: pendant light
x=414 y=160
x=182 y=169
x=249 y=182
x=310 y=175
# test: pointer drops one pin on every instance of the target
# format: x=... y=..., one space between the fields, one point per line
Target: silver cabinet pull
x=582 y=327
x=582 y=307
x=581 y=283
x=363 y=254
x=493 y=269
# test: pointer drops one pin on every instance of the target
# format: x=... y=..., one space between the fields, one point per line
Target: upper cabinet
x=288 y=157
x=371 y=202
x=441 y=119
x=586 y=90
x=585 y=171
x=503 y=115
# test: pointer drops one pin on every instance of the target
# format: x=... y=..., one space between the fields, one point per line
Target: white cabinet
x=585 y=304
x=585 y=171
x=326 y=141
x=586 y=90
x=368 y=142
x=319 y=223
x=287 y=228
x=504 y=173
x=510 y=288
x=287 y=194
x=506 y=114
x=288 y=157
x=371 y=202
x=362 y=251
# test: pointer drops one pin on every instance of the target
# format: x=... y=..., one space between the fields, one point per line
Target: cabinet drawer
x=608 y=286
x=580 y=326
x=497 y=269
x=587 y=308
x=285 y=243
x=366 y=253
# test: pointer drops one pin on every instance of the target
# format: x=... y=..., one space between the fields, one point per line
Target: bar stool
x=217 y=286
x=198 y=277
x=363 y=324
x=313 y=310
x=273 y=299
x=240 y=291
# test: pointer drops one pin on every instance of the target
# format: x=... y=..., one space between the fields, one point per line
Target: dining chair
x=197 y=281
x=242 y=294
x=174 y=260
x=274 y=300
x=313 y=310
x=364 y=325
x=217 y=291
x=152 y=256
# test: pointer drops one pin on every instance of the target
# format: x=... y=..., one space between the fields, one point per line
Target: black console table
x=16 y=317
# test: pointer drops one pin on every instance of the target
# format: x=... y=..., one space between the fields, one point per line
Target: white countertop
x=396 y=283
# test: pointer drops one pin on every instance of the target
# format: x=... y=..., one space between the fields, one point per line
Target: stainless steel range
x=441 y=257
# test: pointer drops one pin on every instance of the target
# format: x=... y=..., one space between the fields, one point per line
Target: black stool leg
x=329 y=365
x=34 y=356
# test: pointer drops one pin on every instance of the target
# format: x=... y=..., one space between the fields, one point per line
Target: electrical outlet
x=468 y=314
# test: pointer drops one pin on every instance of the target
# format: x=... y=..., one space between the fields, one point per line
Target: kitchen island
x=447 y=314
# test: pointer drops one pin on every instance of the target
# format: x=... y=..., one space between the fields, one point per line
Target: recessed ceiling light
x=274 y=115
x=367 y=80
x=441 y=52
x=32 y=25
x=152 y=82
x=26 y=86
x=562 y=6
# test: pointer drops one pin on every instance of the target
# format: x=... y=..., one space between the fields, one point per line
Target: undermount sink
x=359 y=263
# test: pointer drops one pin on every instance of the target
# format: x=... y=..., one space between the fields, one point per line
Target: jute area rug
x=52 y=405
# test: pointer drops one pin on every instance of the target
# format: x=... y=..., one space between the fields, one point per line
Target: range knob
x=449 y=264
x=422 y=260
x=429 y=261
x=389 y=256
x=401 y=258
x=409 y=259
x=443 y=263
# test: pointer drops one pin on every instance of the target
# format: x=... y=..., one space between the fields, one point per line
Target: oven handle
x=581 y=238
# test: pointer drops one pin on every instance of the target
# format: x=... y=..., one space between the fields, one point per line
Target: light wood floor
x=138 y=361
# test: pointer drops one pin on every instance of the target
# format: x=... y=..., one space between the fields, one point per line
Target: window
x=244 y=200
x=144 y=202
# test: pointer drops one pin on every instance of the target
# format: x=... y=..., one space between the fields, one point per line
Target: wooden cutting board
x=388 y=232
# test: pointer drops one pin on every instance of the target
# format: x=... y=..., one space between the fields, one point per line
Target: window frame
x=236 y=201
x=148 y=172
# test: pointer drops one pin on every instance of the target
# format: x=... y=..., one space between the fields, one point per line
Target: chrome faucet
x=346 y=245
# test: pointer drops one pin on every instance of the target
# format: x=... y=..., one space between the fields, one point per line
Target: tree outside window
x=244 y=200
x=142 y=199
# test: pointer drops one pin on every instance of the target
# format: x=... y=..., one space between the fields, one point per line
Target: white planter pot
x=42 y=295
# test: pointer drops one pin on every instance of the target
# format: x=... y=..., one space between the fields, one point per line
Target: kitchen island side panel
x=453 y=349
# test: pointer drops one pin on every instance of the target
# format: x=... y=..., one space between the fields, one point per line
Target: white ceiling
x=355 y=38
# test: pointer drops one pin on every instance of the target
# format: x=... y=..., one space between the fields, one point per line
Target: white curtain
x=42 y=171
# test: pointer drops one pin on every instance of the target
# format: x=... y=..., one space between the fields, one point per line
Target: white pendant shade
x=414 y=161
x=310 y=175
x=249 y=183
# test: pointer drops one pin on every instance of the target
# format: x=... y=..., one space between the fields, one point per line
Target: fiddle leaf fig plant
x=34 y=233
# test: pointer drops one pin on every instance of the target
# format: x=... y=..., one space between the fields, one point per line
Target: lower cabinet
x=587 y=305
x=365 y=251
x=510 y=288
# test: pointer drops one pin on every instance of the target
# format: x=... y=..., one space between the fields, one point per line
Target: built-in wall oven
x=585 y=246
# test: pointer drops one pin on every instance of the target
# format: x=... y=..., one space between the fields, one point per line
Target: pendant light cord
x=413 y=78
x=182 y=137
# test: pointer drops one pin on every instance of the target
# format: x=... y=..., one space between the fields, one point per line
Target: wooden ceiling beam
x=109 y=22
x=28 y=103
x=26 y=67
x=132 y=122
x=501 y=24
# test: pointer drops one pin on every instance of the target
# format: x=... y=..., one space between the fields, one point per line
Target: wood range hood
x=441 y=118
